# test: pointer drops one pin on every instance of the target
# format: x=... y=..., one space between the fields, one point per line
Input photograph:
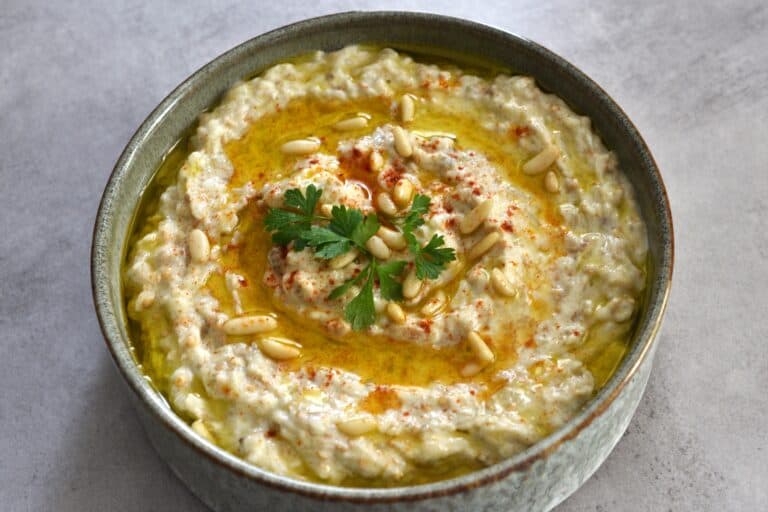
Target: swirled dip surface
x=552 y=298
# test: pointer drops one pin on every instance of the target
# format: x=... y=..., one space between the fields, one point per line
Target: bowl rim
x=128 y=368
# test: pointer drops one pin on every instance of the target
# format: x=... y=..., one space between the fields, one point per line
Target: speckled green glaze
x=537 y=479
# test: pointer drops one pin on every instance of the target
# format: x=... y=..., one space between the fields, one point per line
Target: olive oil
x=256 y=159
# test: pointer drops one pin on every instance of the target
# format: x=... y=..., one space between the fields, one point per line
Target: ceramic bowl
x=536 y=479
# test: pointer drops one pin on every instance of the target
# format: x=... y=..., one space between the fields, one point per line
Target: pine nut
x=394 y=239
x=480 y=348
x=199 y=246
x=378 y=248
x=484 y=245
x=403 y=192
x=357 y=426
x=326 y=209
x=471 y=369
x=544 y=159
x=252 y=324
x=501 y=284
x=385 y=204
x=402 y=143
x=474 y=218
x=342 y=260
x=407 y=108
x=200 y=429
x=434 y=305
x=411 y=285
x=551 y=184
x=280 y=349
x=375 y=161
x=395 y=313
x=300 y=147
x=353 y=123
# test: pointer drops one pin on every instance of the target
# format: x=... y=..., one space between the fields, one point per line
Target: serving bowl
x=536 y=479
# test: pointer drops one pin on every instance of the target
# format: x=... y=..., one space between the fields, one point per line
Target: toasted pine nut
x=378 y=248
x=403 y=192
x=200 y=429
x=251 y=324
x=357 y=426
x=385 y=204
x=326 y=209
x=551 y=184
x=395 y=313
x=394 y=239
x=480 y=348
x=199 y=246
x=342 y=260
x=544 y=159
x=375 y=161
x=474 y=218
x=484 y=245
x=470 y=370
x=353 y=123
x=280 y=349
x=501 y=284
x=300 y=146
x=434 y=305
x=407 y=108
x=411 y=285
x=402 y=142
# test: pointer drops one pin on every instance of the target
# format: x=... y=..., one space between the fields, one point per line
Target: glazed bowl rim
x=118 y=345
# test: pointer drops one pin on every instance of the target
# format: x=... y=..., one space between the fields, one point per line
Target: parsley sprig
x=289 y=224
x=347 y=228
x=431 y=259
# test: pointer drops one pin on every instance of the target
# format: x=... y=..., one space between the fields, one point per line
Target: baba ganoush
x=369 y=270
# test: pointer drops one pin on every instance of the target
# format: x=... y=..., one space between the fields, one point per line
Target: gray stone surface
x=77 y=79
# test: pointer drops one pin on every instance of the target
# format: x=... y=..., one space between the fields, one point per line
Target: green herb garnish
x=432 y=258
x=289 y=225
x=349 y=228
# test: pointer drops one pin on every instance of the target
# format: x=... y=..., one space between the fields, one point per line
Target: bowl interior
x=459 y=39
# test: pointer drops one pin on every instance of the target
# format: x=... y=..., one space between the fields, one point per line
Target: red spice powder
x=381 y=399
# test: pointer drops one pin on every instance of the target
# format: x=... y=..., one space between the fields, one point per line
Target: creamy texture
x=575 y=256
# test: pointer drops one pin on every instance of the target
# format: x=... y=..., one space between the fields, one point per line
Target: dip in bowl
x=372 y=269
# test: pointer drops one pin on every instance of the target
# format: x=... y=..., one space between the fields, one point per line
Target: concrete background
x=76 y=79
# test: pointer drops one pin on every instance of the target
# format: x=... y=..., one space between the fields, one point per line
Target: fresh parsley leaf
x=419 y=208
x=289 y=226
x=413 y=244
x=387 y=272
x=365 y=230
x=347 y=227
x=304 y=203
x=344 y=220
x=432 y=258
x=350 y=223
x=360 y=312
x=326 y=243
x=278 y=219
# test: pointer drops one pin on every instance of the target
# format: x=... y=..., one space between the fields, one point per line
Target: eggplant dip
x=373 y=271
